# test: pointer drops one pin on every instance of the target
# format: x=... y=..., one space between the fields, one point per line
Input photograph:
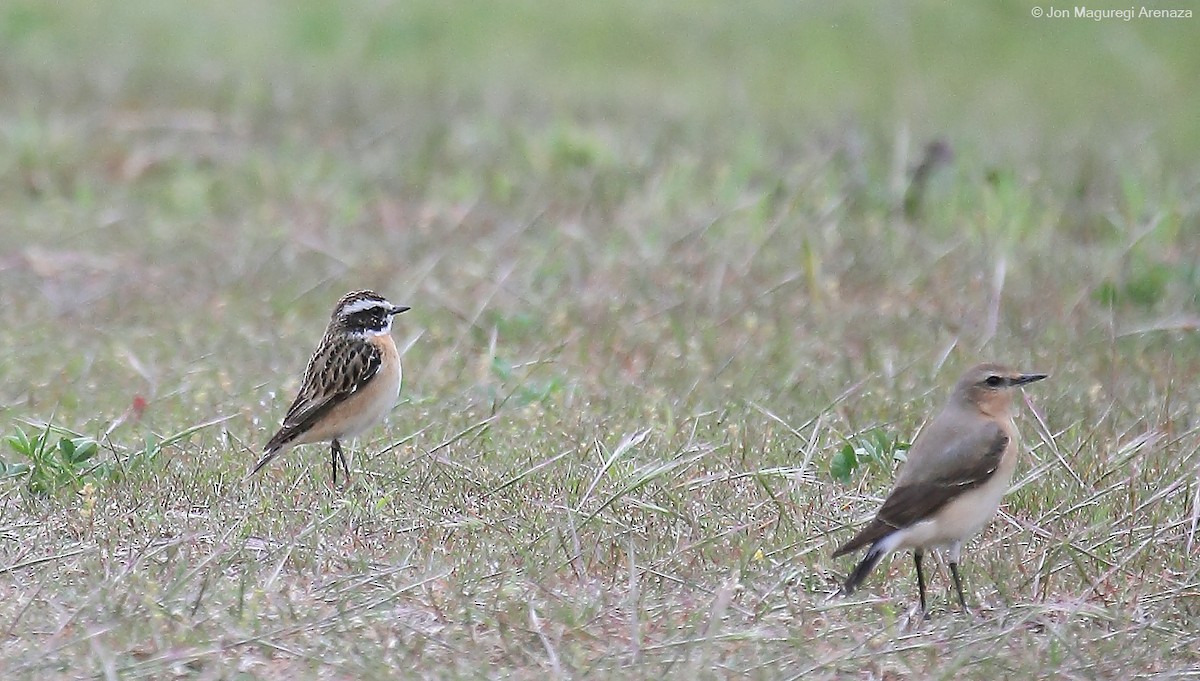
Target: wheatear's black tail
x=864 y=567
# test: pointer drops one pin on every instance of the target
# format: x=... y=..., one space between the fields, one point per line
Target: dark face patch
x=373 y=319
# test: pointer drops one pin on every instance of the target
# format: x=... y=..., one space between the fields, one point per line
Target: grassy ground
x=664 y=266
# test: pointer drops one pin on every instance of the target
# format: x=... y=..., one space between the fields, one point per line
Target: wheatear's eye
x=994 y=381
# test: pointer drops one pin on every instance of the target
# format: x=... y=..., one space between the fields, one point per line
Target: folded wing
x=976 y=461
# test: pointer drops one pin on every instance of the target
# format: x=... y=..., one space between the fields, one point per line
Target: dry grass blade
x=626 y=445
x=1048 y=438
x=530 y=471
x=642 y=477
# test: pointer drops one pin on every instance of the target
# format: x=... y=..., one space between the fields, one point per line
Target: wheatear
x=958 y=469
x=352 y=380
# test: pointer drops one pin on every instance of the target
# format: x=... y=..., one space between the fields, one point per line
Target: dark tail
x=270 y=453
x=868 y=563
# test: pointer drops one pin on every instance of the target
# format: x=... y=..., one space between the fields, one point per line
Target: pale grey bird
x=958 y=469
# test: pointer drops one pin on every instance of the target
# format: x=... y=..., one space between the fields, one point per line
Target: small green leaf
x=843 y=463
x=882 y=443
x=19 y=442
x=85 y=448
x=152 y=448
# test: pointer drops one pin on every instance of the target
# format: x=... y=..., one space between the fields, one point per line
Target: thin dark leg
x=958 y=585
x=335 y=452
x=918 y=555
x=345 y=463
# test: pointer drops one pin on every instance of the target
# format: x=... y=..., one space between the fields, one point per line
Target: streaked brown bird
x=352 y=380
x=957 y=471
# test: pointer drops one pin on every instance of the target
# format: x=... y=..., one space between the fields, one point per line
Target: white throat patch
x=369 y=333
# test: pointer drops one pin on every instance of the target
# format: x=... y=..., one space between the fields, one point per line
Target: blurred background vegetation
x=990 y=73
x=222 y=110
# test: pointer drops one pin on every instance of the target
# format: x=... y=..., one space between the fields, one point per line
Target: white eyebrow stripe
x=363 y=305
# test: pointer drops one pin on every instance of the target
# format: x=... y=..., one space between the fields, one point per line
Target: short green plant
x=53 y=464
x=874 y=448
x=69 y=462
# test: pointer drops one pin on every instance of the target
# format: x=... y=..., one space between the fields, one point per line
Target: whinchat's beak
x=1028 y=378
x=397 y=309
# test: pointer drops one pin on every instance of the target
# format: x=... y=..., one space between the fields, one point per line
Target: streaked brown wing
x=911 y=503
x=338 y=369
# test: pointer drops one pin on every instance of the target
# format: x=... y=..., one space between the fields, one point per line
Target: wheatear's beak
x=397 y=309
x=1028 y=378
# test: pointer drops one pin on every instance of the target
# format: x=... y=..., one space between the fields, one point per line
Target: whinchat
x=352 y=380
x=956 y=473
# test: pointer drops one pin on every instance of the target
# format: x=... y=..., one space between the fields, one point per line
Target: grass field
x=668 y=269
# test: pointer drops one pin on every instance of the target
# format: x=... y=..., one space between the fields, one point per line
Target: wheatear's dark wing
x=915 y=501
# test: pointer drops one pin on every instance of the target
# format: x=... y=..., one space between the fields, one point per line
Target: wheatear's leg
x=958 y=585
x=918 y=555
x=953 y=555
